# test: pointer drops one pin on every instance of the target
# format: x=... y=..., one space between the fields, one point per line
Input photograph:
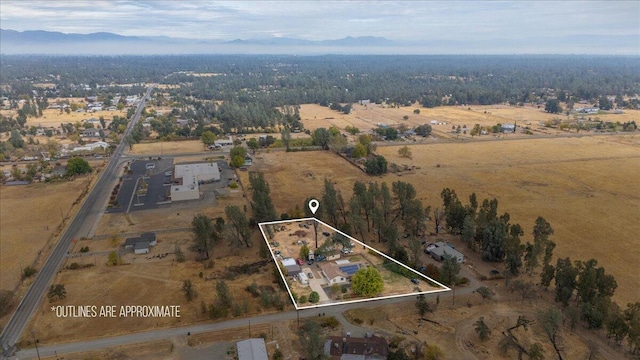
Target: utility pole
x=35 y=341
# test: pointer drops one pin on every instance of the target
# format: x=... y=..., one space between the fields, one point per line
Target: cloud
x=321 y=20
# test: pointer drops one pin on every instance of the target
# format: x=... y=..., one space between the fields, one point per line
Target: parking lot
x=155 y=174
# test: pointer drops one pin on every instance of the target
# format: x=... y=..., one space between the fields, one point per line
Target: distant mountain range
x=38 y=39
x=105 y=43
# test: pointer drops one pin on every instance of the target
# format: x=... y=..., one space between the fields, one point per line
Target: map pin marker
x=314 y=205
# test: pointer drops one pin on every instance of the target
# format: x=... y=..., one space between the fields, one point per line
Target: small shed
x=141 y=247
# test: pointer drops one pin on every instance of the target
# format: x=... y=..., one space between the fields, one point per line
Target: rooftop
x=252 y=349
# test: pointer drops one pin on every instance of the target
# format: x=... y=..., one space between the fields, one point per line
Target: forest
x=291 y=80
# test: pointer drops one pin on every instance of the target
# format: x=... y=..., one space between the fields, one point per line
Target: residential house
x=141 y=247
x=339 y=273
x=353 y=348
x=90 y=133
x=508 y=128
x=443 y=250
x=141 y=244
x=224 y=142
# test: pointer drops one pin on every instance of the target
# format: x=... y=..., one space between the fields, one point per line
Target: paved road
x=80 y=226
x=335 y=310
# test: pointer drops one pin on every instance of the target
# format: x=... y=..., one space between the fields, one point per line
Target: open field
x=295 y=176
x=583 y=186
x=146 y=280
x=30 y=217
x=367 y=117
x=168 y=147
x=53 y=117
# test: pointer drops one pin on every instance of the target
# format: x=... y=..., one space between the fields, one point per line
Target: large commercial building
x=189 y=177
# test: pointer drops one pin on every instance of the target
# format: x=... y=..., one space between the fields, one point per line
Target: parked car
x=321 y=258
x=415 y=281
x=325 y=233
x=310 y=262
x=277 y=252
x=310 y=275
x=299 y=261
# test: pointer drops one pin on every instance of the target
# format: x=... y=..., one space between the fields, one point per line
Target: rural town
x=316 y=202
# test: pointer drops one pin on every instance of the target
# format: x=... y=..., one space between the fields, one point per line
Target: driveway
x=316 y=284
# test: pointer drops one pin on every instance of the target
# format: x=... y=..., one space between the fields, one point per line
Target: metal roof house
x=508 y=128
x=147 y=238
x=141 y=247
x=442 y=250
x=252 y=349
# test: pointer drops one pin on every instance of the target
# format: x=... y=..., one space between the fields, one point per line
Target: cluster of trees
x=482 y=229
x=263 y=92
x=500 y=241
x=379 y=210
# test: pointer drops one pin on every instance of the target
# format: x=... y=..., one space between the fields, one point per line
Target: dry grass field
x=168 y=147
x=367 y=117
x=53 y=117
x=583 y=186
x=144 y=280
x=151 y=350
x=30 y=216
x=295 y=176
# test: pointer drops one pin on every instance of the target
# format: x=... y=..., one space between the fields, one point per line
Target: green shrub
x=29 y=271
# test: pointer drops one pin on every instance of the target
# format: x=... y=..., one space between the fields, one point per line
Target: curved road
x=80 y=226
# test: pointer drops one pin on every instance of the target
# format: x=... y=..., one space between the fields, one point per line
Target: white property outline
x=295 y=304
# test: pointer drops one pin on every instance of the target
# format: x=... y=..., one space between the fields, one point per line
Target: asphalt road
x=335 y=310
x=81 y=225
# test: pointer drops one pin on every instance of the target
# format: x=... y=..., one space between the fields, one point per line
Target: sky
x=324 y=20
